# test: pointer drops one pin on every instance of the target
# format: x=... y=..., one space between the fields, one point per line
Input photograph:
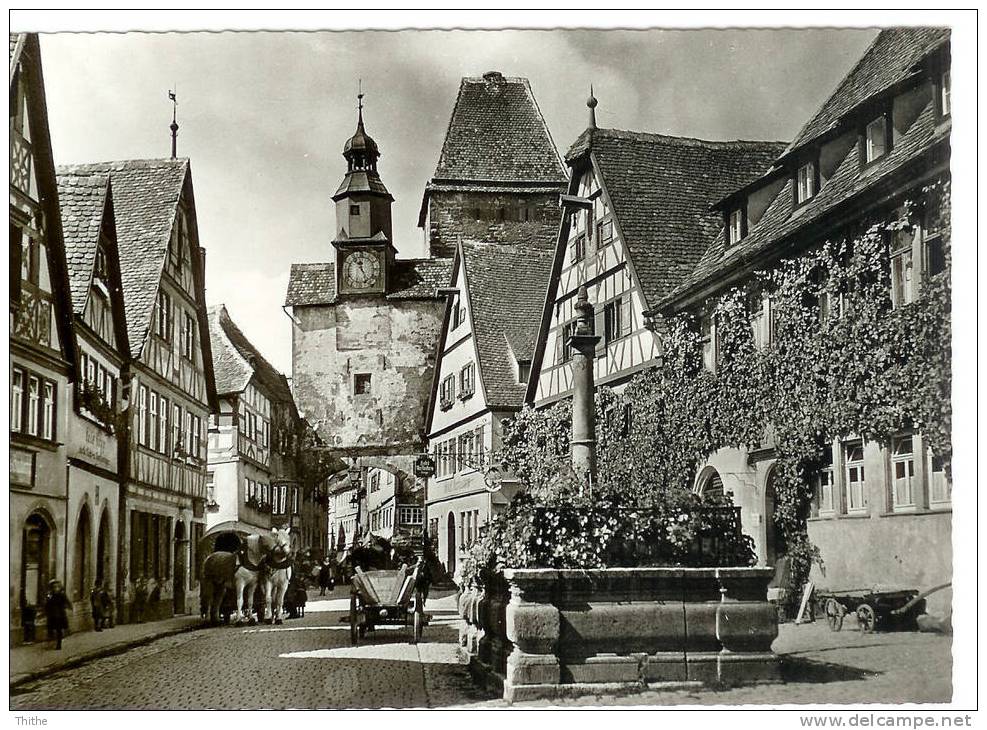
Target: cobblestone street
x=305 y=663
x=309 y=663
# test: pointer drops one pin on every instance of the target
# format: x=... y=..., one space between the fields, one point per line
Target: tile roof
x=145 y=200
x=236 y=361
x=661 y=188
x=497 y=134
x=848 y=181
x=890 y=59
x=315 y=283
x=82 y=200
x=311 y=284
x=507 y=285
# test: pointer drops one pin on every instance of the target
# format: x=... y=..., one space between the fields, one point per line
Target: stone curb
x=104 y=651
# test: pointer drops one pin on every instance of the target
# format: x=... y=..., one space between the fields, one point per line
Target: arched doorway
x=81 y=566
x=103 y=551
x=36 y=560
x=774 y=537
x=181 y=567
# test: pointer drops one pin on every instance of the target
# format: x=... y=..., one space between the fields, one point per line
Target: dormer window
x=876 y=139
x=805 y=182
x=944 y=104
x=523 y=371
x=737 y=228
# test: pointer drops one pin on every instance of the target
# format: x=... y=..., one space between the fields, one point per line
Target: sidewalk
x=32 y=661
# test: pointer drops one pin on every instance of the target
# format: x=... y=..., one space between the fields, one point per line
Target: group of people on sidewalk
x=58 y=606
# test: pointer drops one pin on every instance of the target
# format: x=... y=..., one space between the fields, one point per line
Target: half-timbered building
x=42 y=347
x=253 y=439
x=96 y=463
x=483 y=365
x=635 y=221
x=171 y=389
x=882 y=512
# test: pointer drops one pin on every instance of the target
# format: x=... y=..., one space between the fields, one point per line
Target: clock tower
x=364 y=249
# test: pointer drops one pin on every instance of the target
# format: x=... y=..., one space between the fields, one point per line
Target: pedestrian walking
x=57 y=607
x=140 y=600
x=106 y=600
x=96 y=601
x=325 y=576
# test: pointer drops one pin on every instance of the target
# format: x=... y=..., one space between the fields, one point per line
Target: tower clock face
x=361 y=270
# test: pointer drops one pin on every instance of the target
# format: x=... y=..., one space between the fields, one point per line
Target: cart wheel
x=354 y=628
x=866 y=618
x=834 y=614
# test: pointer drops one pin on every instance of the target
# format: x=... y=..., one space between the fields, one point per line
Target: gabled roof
x=82 y=199
x=25 y=54
x=890 y=59
x=497 y=138
x=145 y=199
x=236 y=361
x=315 y=283
x=661 y=189
x=849 y=182
x=506 y=287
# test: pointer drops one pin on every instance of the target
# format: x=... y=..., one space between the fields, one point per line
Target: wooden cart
x=875 y=608
x=382 y=597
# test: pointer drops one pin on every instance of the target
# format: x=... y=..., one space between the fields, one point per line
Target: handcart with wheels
x=875 y=608
x=387 y=598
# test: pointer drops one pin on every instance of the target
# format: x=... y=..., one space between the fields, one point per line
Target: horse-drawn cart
x=875 y=608
x=382 y=597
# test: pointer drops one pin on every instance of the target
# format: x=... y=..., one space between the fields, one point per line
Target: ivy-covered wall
x=842 y=362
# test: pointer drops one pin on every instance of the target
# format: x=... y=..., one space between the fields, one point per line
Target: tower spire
x=591 y=102
x=173 y=95
x=359 y=105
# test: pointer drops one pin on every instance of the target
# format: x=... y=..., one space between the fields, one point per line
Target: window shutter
x=599 y=328
x=625 y=316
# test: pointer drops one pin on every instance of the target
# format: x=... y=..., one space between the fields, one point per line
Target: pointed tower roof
x=497 y=139
x=361 y=153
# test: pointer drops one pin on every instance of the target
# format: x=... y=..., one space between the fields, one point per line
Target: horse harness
x=264 y=565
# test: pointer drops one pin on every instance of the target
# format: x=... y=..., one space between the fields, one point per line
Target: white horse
x=265 y=561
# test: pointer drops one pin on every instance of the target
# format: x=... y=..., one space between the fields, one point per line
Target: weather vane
x=173 y=95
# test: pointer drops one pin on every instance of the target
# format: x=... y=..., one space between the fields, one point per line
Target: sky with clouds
x=264 y=115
